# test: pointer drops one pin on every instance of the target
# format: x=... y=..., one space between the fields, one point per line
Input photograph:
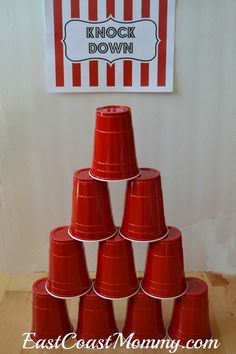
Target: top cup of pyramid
x=114 y=156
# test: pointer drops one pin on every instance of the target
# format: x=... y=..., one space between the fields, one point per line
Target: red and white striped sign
x=127 y=72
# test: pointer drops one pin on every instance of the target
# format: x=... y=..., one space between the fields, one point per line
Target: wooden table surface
x=15 y=314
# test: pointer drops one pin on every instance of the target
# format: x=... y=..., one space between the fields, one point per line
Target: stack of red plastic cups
x=114 y=159
x=92 y=221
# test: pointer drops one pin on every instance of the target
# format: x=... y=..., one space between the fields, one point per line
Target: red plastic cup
x=144 y=318
x=190 y=318
x=91 y=209
x=96 y=318
x=114 y=156
x=116 y=277
x=164 y=273
x=144 y=218
x=49 y=315
x=68 y=273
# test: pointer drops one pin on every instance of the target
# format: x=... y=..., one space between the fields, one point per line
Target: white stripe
x=102 y=10
x=170 y=44
x=102 y=64
x=66 y=16
x=119 y=15
x=119 y=10
x=84 y=64
x=136 y=66
x=137 y=10
x=154 y=10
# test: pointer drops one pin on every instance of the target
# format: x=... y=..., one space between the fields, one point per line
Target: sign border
x=50 y=65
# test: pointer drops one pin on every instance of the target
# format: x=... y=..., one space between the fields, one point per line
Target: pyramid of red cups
x=114 y=159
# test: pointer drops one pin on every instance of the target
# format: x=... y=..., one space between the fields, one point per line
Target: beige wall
x=189 y=135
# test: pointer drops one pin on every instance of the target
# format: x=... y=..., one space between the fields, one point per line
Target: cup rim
x=117 y=298
x=67 y=297
x=99 y=240
x=143 y=241
x=165 y=298
x=113 y=180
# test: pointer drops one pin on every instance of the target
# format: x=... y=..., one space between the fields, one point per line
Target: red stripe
x=110 y=68
x=144 y=74
x=93 y=64
x=162 y=45
x=145 y=66
x=93 y=73
x=128 y=10
x=111 y=74
x=93 y=10
x=127 y=68
x=58 y=34
x=76 y=67
x=127 y=74
x=146 y=8
x=75 y=12
x=111 y=8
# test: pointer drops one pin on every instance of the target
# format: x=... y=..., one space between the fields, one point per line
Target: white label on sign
x=110 y=40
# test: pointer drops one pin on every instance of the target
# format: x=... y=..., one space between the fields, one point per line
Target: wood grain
x=15 y=314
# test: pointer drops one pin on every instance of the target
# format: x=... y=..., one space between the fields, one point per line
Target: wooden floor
x=15 y=314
